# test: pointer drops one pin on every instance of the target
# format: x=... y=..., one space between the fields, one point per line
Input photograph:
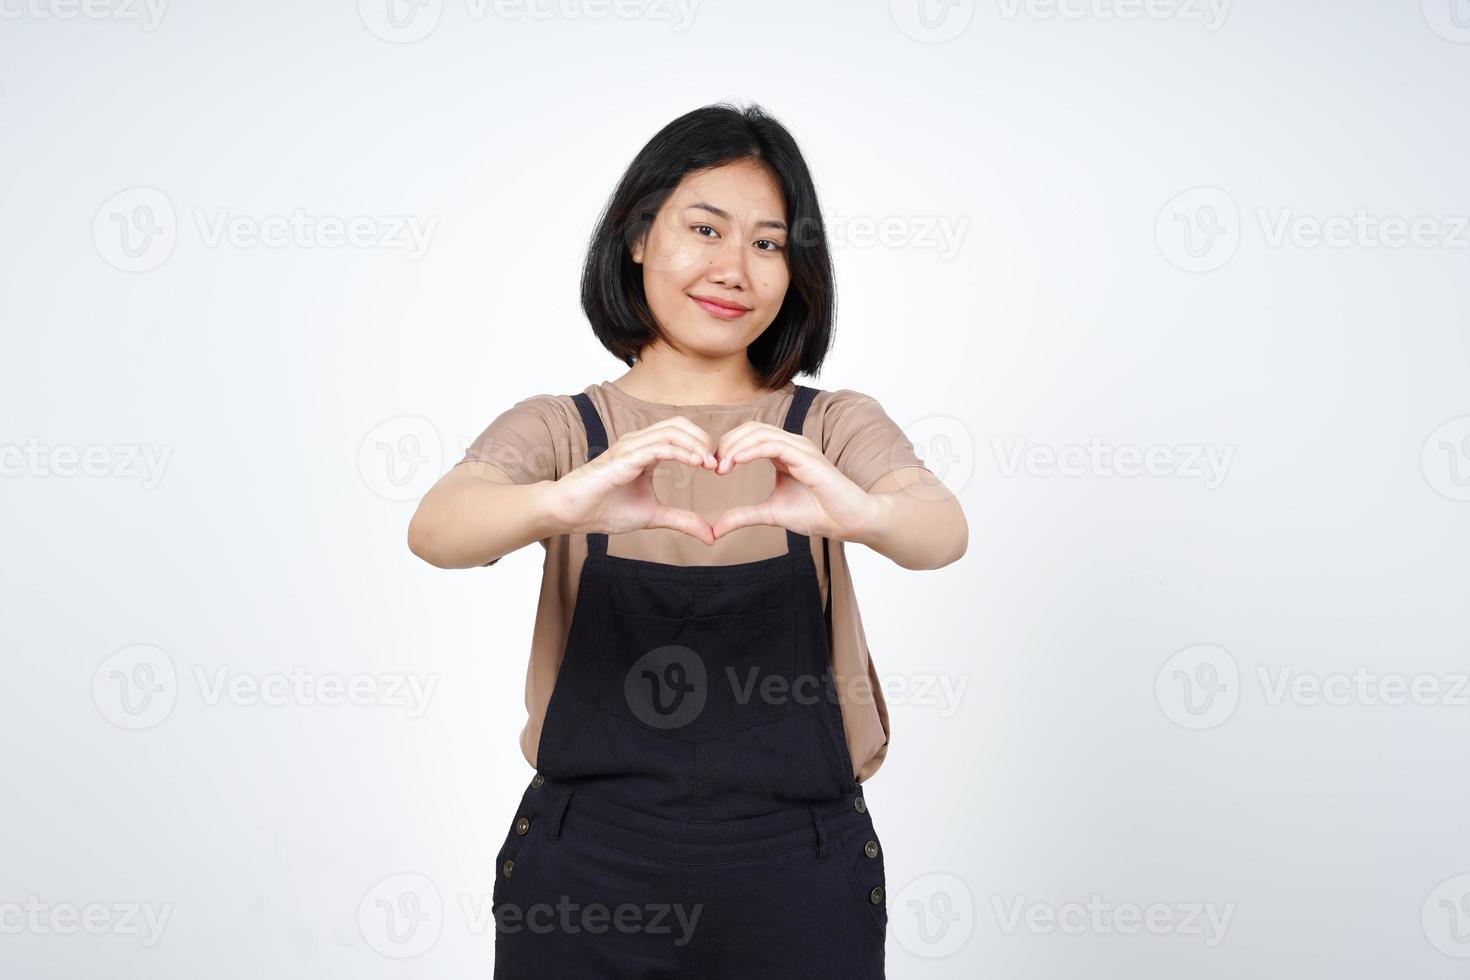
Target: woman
x=697 y=699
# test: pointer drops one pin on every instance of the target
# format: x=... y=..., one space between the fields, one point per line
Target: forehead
x=745 y=189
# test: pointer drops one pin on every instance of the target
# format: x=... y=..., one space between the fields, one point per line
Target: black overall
x=694 y=812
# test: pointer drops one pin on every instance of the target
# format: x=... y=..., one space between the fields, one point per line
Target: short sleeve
x=862 y=441
x=527 y=441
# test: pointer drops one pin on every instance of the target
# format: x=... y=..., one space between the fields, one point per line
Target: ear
x=637 y=249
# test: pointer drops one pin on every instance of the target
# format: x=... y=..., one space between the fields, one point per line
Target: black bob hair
x=714 y=135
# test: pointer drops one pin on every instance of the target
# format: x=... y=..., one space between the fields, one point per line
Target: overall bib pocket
x=697 y=678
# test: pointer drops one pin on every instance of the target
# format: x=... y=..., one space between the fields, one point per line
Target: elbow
x=958 y=540
x=421 y=540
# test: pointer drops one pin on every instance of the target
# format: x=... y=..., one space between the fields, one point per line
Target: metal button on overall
x=859 y=805
x=507 y=867
x=871 y=848
x=537 y=780
x=876 y=895
x=522 y=825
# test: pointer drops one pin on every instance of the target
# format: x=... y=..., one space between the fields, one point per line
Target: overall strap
x=597 y=443
x=795 y=417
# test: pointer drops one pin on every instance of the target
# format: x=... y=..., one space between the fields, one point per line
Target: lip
x=719 y=308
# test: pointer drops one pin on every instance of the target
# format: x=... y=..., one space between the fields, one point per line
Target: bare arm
x=917 y=522
x=475 y=514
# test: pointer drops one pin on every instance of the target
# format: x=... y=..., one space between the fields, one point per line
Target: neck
x=664 y=376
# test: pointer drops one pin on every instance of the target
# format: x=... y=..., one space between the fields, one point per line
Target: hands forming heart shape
x=614 y=492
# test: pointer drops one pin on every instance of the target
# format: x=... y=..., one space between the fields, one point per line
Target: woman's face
x=720 y=237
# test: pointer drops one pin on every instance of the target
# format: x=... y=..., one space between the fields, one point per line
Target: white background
x=1130 y=192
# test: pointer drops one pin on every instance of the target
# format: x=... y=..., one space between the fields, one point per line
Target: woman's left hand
x=811 y=495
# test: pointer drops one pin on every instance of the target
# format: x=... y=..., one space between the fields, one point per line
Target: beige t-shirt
x=542 y=438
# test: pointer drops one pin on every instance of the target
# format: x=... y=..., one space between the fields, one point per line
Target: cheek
x=773 y=287
x=668 y=257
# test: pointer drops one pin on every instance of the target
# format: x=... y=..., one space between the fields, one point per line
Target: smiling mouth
x=719 y=309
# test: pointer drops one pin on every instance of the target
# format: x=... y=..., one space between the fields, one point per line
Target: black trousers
x=588 y=888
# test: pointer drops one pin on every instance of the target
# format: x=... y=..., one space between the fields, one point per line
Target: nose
x=726 y=263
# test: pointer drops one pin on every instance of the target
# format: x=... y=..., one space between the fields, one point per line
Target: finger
x=688 y=435
x=732 y=454
x=678 y=519
x=683 y=424
x=629 y=465
x=667 y=434
x=741 y=431
x=802 y=462
x=738 y=517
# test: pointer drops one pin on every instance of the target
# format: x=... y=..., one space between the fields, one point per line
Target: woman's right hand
x=614 y=492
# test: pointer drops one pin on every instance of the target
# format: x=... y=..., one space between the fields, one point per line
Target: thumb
x=679 y=519
x=738 y=517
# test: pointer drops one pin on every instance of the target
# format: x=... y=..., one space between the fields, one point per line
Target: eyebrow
x=720 y=212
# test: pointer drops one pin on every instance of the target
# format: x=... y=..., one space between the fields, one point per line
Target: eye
x=775 y=246
x=697 y=231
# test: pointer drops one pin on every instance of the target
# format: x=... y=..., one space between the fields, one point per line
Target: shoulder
x=546 y=405
x=544 y=415
x=530 y=440
x=844 y=401
x=858 y=436
x=846 y=410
